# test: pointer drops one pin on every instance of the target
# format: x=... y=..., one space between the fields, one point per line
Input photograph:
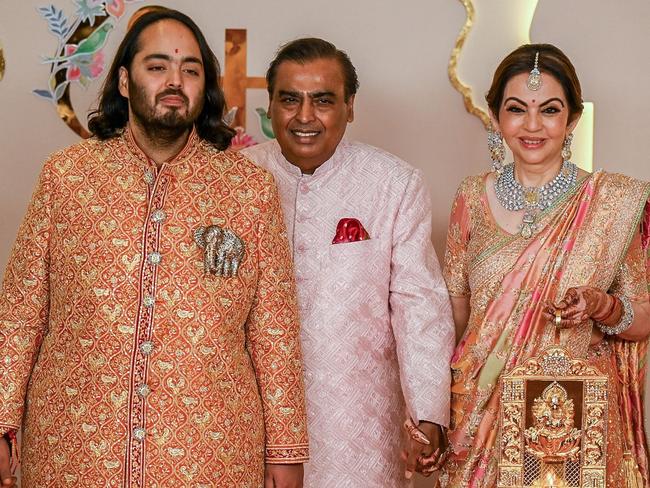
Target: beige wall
x=401 y=49
x=406 y=104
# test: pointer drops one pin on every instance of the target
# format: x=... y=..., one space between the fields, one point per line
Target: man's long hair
x=112 y=113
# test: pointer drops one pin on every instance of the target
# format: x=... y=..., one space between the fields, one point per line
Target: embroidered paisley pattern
x=146 y=371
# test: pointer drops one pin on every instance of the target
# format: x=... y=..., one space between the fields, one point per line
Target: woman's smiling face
x=534 y=124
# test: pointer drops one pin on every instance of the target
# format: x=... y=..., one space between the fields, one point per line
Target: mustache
x=176 y=93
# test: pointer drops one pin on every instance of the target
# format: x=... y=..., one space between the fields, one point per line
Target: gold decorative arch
x=463 y=89
x=584 y=132
x=2 y=63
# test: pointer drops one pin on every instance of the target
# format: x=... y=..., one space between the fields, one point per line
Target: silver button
x=149 y=301
x=158 y=215
x=154 y=258
x=143 y=390
x=146 y=348
x=139 y=433
x=149 y=177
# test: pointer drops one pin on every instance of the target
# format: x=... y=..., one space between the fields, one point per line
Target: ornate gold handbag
x=553 y=423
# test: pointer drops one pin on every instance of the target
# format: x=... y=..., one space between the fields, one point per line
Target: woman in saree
x=540 y=251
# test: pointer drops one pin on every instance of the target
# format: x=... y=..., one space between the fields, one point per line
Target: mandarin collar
x=137 y=152
x=333 y=162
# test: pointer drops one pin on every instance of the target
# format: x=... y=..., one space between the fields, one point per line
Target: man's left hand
x=283 y=476
x=422 y=457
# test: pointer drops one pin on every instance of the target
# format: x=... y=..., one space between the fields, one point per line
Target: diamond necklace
x=513 y=196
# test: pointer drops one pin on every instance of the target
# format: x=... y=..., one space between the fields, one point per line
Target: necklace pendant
x=526 y=231
x=527 y=225
x=531 y=197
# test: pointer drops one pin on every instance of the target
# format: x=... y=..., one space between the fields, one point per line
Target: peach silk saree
x=596 y=235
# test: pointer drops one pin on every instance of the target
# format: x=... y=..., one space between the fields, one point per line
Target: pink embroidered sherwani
x=377 y=331
x=139 y=369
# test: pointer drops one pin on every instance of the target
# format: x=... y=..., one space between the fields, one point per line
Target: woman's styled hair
x=551 y=60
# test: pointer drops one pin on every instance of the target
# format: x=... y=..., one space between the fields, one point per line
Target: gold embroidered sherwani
x=138 y=368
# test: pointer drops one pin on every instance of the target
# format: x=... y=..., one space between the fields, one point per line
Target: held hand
x=6 y=479
x=283 y=475
x=425 y=446
x=580 y=304
x=434 y=462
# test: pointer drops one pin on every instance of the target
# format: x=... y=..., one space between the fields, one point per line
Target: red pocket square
x=350 y=230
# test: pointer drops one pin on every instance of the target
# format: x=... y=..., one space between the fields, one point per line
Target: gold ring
x=558 y=318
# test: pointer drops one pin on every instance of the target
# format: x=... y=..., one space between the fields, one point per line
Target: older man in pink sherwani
x=377 y=331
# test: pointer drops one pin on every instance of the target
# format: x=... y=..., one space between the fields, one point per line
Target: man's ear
x=350 y=104
x=123 y=82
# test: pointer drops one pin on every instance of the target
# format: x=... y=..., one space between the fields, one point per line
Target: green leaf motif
x=87 y=10
x=265 y=123
x=43 y=93
x=60 y=90
x=57 y=22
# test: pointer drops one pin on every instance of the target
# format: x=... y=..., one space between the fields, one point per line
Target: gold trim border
x=463 y=89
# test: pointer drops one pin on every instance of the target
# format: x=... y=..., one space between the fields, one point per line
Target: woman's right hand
x=580 y=304
x=7 y=480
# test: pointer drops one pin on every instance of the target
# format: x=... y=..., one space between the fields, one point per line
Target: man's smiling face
x=309 y=111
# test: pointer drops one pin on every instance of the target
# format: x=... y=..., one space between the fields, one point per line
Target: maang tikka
x=534 y=81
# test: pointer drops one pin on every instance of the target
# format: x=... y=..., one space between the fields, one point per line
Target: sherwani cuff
x=8 y=429
x=436 y=415
x=287 y=454
x=427 y=393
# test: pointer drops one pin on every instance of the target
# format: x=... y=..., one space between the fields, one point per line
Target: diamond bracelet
x=624 y=323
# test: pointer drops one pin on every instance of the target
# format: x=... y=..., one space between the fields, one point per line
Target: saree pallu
x=595 y=235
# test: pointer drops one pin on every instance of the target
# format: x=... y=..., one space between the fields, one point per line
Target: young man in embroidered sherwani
x=377 y=331
x=147 y=315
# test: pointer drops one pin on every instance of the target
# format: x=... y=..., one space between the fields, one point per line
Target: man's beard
x=165 y=128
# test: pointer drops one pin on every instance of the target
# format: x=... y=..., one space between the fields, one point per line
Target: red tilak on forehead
x=176 y=50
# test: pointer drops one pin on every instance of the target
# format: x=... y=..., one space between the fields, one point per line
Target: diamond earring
x=566 y=147
x=497 y=150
